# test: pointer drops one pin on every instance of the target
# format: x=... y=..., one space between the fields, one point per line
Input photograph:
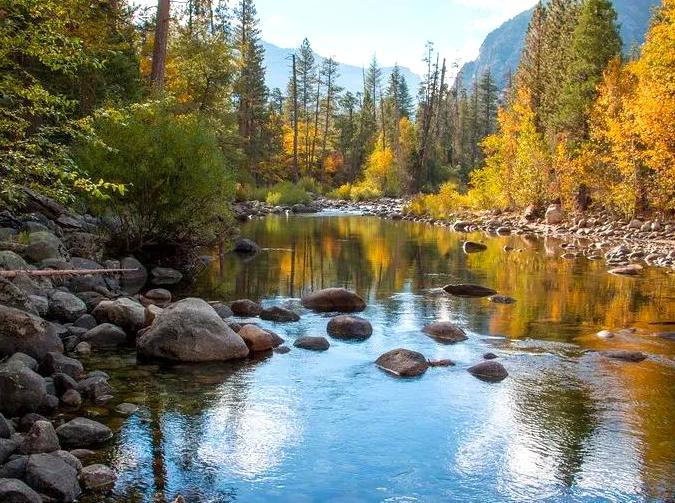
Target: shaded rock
x=501 y=299
x=191 y=331
x=91 y=299
x=21 y=389
x=69 y=459
x=166 y=276
x=445 y=331
x=82 y=432
x=63 y=383
x=489 y=370
x=132 y=282
x=28 y=420
x=72 y=399
x=627 y=356
x=334 y=299
x=257 y=339
x=222 y=309
x=469 y=290
x=105 y=335
x=126 y=408
x=84 y=244
x=282 y=350
x=49 y=404
x=10 y=261
x=14 y=468
x=26 y=333
x=531 y=213
x=83 y=348
x=123 y=312
x=8 y=446
x=441 y=363
x=59 y=363
x=349 y=328
x=12 y=296
x=473 y=247
x=97 y=478
x=94 y=387
x=312 y=343
x=279 y=314
x=246 y=246
x=52 y=476
x=157 y=296
x=554 y=215
x=245 y=308
x=24 y=359
x=86 y=321
x=45 y=245
x=16 y=491
x=40 y=438
x=403 y=362
x=40 y=305
x=6 y=429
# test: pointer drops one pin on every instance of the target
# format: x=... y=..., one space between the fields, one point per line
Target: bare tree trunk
x=159 y=49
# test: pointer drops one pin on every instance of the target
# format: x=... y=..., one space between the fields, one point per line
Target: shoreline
x=596 y=235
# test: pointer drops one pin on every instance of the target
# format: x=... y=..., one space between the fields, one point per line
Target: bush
x=309 y=184
x=365 y=192
x=343 y=192
x=286 y=193
x=178 y=186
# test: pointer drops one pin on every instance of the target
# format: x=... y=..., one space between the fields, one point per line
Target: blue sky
x=395 y=30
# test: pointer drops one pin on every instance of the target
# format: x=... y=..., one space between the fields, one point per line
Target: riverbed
x=568 y=424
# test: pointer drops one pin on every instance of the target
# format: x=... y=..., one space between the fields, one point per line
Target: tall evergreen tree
x=531 y=69
x=595 y=42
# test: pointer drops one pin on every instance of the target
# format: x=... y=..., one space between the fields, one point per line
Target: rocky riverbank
x=596 y=236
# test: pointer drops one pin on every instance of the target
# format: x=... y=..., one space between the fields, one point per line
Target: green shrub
x=309 y=184
x=287 y=193
x=343 y=192
x=365 y=192
x=178 y=184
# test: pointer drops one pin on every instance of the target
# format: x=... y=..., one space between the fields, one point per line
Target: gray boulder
x=97 y=478
x=10 y=261
x=333 y=300
x=86 y=321
x=24 y=332
x=59 y=363
x=165 y=276
x=66 y=307
x=123 y=312
x=16 y=491
x=191 y=331
x=133 y=282
x=94 y=387
x=6 y=428
x=157 y=297
x=13 y=296
x=39 y=304
x=41 y=438
x=222 y=309
x=105 y=335
x=21 y=389
x=403 y=362
x=444 y=331
x=82 y=433
x=24 y=359
x=45 y=245
x=245 y=307
x=50 y=475
x=8 y=446
x=554 y=214
x=349 y=328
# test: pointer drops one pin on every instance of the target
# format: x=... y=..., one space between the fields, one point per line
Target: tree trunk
x=295 y=122
x=159 y=49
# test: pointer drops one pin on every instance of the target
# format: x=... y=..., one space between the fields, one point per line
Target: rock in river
x=444 y=331
x=473 y=247
x=334 y=299
x=489 y=370
x=123 y=312
x=191 y=331
x=280 y=314
x=97 y=478
x=259 y=340
x=469 y=290
x=82 y=432
x=403 y=362
x=312 y=343
x=349 y=328
x=627 y=356
x=501 y=299
x=245 y=246
x=245 y=307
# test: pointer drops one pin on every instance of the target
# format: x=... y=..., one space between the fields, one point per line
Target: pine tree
x=307 y=82
x=487 y=104
x=595 y=42
x=531 y=68
x=250 y=88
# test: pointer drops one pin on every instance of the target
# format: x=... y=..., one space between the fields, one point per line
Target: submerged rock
x=445 y=331
x=501 y=299
x=629 y=270
x=489 y=370
x=403 y=362
x=627 y=356
x=312 y=343
x=334 y=299
x=469 y=290
x=279 y=314
x=473 y=247
x=191 y=331
x=349 y=328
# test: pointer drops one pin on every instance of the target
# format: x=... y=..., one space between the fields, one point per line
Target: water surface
x=567 y=425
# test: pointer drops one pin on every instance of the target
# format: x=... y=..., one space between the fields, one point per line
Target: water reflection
x=567 y=425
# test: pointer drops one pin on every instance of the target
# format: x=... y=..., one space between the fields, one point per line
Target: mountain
x=500 y=51
x=278 y=71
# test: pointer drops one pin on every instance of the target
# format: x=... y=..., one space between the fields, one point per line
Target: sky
x=395 y=31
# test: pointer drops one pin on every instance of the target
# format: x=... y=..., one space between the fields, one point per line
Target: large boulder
x=444 y=331
x=16 y=491
x=24 y=332
x=13 y=296
x=469 y=290
x=245 y=307
x=191 y=331
x=97 y=478
x=123 y=312
x=554 y=215
x=403 y=362
x=165 y=276
x=66 y=307
x=489 y=370
x=21 y=389
x=82 y=433
x=157 y=297
x=334 y=300
x=279 y=314
x=58 y=363
x=259 y=340
x=94 y=387
x=10 y=261
x=104 y=336
x=8 y=446
x=50 y=475
x=132 y=282
x=41 y=438
x=45 y=245
x=349 y=328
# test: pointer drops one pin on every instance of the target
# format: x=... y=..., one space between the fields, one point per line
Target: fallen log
x=49 y=273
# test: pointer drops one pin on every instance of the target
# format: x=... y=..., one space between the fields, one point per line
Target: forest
x=162 y=115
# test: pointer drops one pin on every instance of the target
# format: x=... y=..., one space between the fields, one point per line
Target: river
x=568 y=424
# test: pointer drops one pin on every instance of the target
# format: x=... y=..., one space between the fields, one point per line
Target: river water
x=568 y=424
